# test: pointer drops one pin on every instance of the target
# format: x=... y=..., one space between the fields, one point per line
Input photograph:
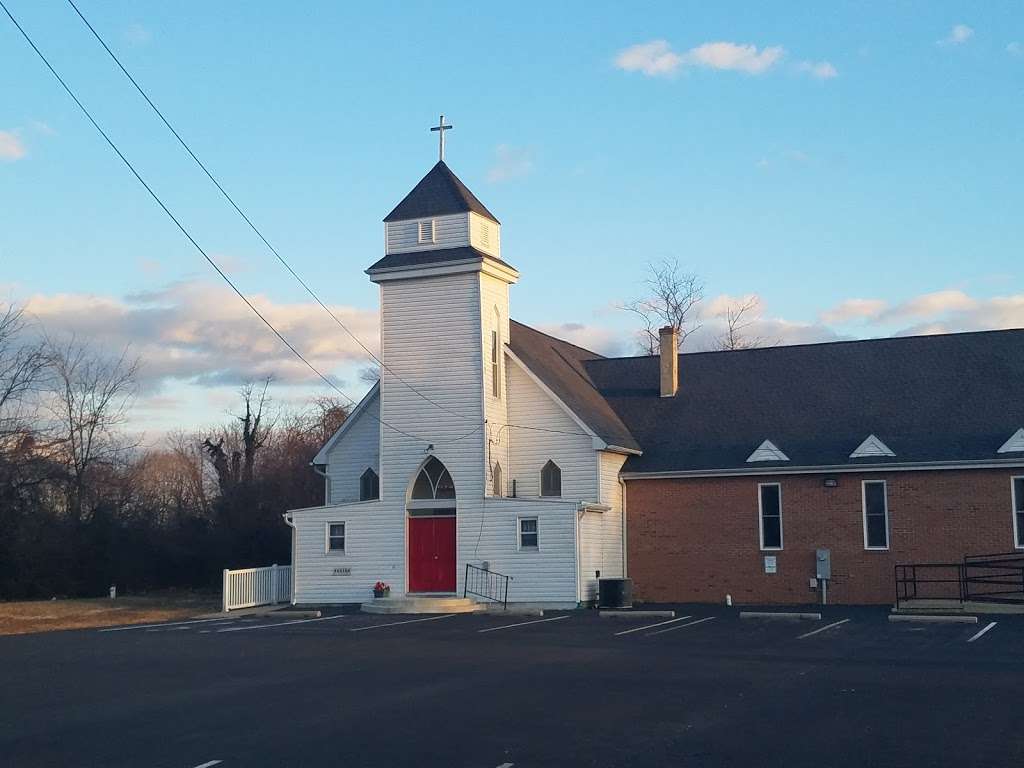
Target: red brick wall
x=697 y=539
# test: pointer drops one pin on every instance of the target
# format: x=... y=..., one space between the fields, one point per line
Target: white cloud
x=136 y=34
x=853 y=309
x=732 y=56
x=1015 y=49
x=510 y=163
x=822 y=70
x=657 y=59
x=11 y=147
x=935 y=312
x=653 y=59
x=200 y=333
x=958 y=35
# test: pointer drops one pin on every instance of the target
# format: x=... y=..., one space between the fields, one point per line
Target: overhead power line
x=249 y=221
x=191 y=239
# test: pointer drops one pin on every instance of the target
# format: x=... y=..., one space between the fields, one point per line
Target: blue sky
x=855 y=166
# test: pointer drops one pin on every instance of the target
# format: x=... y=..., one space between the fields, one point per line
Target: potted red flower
x=380 y=589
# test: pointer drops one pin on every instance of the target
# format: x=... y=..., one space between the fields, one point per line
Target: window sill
x=876 y=549
x=772 y=549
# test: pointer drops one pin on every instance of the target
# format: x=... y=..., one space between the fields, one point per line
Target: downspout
x=290 y=522
x=625 y=549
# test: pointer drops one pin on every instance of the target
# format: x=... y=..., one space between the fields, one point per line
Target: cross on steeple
x=441 y=128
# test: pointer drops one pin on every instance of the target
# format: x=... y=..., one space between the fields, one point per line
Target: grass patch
x=24 y=618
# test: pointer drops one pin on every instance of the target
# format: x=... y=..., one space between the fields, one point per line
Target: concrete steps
x=421 y=604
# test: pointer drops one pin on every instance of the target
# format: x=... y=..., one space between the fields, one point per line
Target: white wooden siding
x=601 y=544
x=546 y=575
x=355 y=451
x=485 y=235
x=494 y=301
x=374 y=549
x=529 y=449
x=430 y=333
x=449 y=232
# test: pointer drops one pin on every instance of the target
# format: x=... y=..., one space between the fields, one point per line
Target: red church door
x=431 y=554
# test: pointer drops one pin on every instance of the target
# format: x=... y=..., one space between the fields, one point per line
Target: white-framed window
x=550 y=479
x=1017 y=500
x=769 y=504
x=875 y=503
x=426 y=231
x=528 y=534
x=335 y=537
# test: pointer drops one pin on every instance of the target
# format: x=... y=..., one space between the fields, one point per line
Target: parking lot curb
x=787 y=615
x=627 y=614
x=933 y=618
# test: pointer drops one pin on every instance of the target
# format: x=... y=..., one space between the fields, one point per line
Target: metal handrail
x=907 y=581
x=487 y=584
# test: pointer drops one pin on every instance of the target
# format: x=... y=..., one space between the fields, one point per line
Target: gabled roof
x=361 y=406
x=562 y=368
x=439 y=193
x=872 y=447
x=1015 y=444
x=945 y=398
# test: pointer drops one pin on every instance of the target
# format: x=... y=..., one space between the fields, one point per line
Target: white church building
x=476 y=448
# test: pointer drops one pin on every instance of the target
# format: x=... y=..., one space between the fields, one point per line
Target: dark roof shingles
x=439 y=193
x=954 y=397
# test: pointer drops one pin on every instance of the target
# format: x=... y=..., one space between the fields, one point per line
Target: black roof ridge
x=597 y=355
x=834 y=342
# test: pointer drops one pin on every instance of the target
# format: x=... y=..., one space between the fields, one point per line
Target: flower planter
x=378 y=593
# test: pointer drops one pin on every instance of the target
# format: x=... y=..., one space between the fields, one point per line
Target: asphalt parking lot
x=704 y=688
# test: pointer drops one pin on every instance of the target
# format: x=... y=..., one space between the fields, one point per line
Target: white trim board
x=829 y=469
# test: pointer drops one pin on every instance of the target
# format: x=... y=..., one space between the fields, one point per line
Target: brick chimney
x=669 y=361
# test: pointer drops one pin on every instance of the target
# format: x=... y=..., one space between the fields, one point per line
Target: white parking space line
x=521 y=624
x=651 y=626
x=822 y=629
x=279 y=624
x=210 y=764
x=170 y=629
x=165 y=624
x=398 y=623
x=680 y=626
x=982 y=632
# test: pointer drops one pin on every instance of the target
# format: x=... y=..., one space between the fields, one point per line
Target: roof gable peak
x=767 y=451
x=871 y=447
x=1015 y=444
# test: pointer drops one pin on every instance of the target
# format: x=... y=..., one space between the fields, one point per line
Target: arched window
x=551 y=480
x=498 y=488
x=369 y=486
x=433 y=482
x=496 y=355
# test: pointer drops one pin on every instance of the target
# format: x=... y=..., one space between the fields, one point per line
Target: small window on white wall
x=496 y=356
x=550 y=480
x=528 y=533
x=426 y=231
x=335 y=537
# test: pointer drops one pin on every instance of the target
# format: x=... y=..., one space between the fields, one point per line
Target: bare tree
x=244 y=444
x=22 y=366
x=89 y=400
x=739 y=317
x=672 y=300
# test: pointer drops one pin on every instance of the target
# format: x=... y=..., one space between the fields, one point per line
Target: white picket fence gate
x=250 y=587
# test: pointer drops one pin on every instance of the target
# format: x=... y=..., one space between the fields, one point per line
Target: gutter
x=826 y=469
